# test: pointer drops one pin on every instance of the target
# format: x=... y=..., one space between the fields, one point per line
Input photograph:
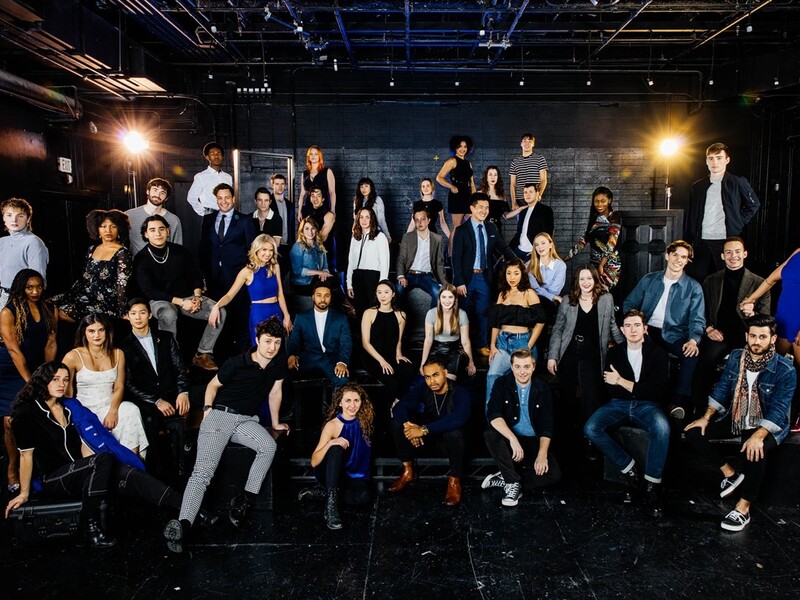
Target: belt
x=515 y=335
x=477 y=270
x=226 y=409
x=419 y=272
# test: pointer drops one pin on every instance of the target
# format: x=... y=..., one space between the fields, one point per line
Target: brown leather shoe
x=205 y=361
x=453 y=496
x=485 y=351
x=407 y=477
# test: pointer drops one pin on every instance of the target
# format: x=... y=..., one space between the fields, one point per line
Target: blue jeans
x=424 y=282
x=645 y=415
x=476 y=304
x=507 y=344
x=683 y=383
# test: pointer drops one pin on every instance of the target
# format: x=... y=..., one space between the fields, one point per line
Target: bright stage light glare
x=668 y=147
x=135 y=143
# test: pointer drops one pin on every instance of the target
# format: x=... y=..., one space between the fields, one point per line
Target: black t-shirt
x=245 y=385
x=53 y=446
x=728 y=320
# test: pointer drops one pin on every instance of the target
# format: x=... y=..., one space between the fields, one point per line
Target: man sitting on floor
x=520 y=415
x=636 y=377
x=756 y=389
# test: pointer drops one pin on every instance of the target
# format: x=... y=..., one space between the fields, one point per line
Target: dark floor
x=573 y=541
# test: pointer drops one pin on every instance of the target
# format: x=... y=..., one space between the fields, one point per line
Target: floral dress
x=602 y=240
x=101 y=289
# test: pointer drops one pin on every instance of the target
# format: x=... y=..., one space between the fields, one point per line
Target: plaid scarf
x=746 y=404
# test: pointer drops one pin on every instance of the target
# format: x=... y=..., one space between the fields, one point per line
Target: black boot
x=332 y=518
x=652 y=499
x=94 y=535
x=175 y=534
x=205 y=518
x=240 y=509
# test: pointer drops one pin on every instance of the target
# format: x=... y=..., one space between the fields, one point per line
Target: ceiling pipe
x=407 y=14
x=345 y=38
x=509 y=32
x=43 y=97
x=619 y=30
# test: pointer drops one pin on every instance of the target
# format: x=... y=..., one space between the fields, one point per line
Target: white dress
x=94 y=390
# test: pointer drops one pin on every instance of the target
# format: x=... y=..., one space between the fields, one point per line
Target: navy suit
x=304 y=343
x=221 y=260
x=479 y=285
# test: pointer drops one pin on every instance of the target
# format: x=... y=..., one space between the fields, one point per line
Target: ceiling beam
x=345 y=38
x=509 y=32
x=619 y=30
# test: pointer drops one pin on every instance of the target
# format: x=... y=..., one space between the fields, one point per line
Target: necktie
x=221 y=228
x=481 y=247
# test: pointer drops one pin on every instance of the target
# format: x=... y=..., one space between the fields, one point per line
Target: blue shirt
x=477 y=264
x=553 y=277
x=524 y=426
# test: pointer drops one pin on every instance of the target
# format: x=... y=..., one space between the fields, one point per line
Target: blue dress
x=34 y=339
x=788 y=313
x=262 y=287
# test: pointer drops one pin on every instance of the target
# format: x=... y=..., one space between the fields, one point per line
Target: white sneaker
x=513 y=494
x=729 y=484
x=493 y=481
x=735 y=521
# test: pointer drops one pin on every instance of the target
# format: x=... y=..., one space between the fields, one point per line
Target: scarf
x=746 y=403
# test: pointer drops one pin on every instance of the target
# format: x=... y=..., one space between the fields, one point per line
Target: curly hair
x=36 y=387
x=456 y=140
x=502 y=280
x=261 y=242
x=18 y=299
x=499 y=190
x=271 y=327
x=365 y=414
x=593 y=214
x=91 y=319
x=301 y=239
x=97 y=217
x=373 y=224
x=575 y=292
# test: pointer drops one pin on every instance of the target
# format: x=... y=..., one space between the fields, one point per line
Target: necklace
x=160 y=261
x=438 y=406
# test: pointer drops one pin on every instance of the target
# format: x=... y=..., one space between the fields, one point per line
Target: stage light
x=589 y=81
x=776 y=81
x=710 y=82
x=336 y=65
x=391 y=82
x=650 y=82
x=521 y=82
x=458 y=83
x=668 y=147
x=135 y=143
x=482 y=32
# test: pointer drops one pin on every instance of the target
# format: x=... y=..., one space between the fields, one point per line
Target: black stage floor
x=573 y=541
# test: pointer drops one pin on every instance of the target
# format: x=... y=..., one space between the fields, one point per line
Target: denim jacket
x=776 y=383
x=304 y=260
x=685 y=314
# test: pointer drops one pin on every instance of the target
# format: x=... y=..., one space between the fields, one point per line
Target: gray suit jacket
x=565 y=326
x=408 y=250
x=712 y=292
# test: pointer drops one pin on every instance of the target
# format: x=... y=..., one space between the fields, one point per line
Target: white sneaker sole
x=486 y=483
x=505 y=502
x=731 y=488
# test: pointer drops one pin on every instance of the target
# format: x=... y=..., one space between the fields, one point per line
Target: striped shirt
x=527 y=169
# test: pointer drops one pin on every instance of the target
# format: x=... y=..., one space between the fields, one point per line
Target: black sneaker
x=173 y=533
x=493 y=481
x=513 y=494
x=678 y=413
x=729 y=484
x=240 y=508
x=735 y=521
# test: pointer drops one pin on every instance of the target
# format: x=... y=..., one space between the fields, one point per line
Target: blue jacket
x=685 y=314
x=417 y=406
x=465 y=249
x=304 y=341
x=221 y=260
x=305 y=260
x=776 y=383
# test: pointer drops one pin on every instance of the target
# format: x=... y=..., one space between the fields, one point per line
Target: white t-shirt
x=714 y=215
x=635 y=358
x=319 y=319
x=657 y=319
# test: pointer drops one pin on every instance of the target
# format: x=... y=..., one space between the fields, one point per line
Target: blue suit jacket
x=465 y=249
x=221 y=260
x=304 y=341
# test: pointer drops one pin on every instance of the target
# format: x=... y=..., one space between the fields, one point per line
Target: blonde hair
x=535 y=266
x=301 y=239
x=261 y=242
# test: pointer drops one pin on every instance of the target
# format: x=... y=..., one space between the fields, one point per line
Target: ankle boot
x=332 y=518
x=407 y=477
x=94 y=535
x=240 y=509
x=453 y=495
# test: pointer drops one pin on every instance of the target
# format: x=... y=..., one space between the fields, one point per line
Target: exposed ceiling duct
x=40 y=96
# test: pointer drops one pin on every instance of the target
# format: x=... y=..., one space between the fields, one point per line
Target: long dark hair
x=373 y=224
x=36 y=387
x=575 y=292
x=90 y=319
x=393 y=303
x=18 y=299
x=524 y=282
x=499 y=190
x=593 y=214
x=358 y=201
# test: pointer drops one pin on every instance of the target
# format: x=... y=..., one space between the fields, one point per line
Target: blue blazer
x=304 y=341
x=221 y=260
x=465 y=249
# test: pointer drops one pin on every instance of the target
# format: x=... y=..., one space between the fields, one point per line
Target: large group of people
x=504 y=302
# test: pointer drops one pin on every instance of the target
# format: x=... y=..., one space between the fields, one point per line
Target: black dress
x=384 y=333
x=460 y=176
x=102 y=288
x=319 y=180
x=34 y=340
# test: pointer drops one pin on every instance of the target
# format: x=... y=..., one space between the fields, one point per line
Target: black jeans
x=500 y=449
x=706 y=374
x=94 y=477
x=574 y=372
x=331 y=474
x=753 y=470
x=448 y=443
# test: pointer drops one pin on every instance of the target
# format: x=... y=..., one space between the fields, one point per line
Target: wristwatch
x=424 y=430
x=207 y=407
